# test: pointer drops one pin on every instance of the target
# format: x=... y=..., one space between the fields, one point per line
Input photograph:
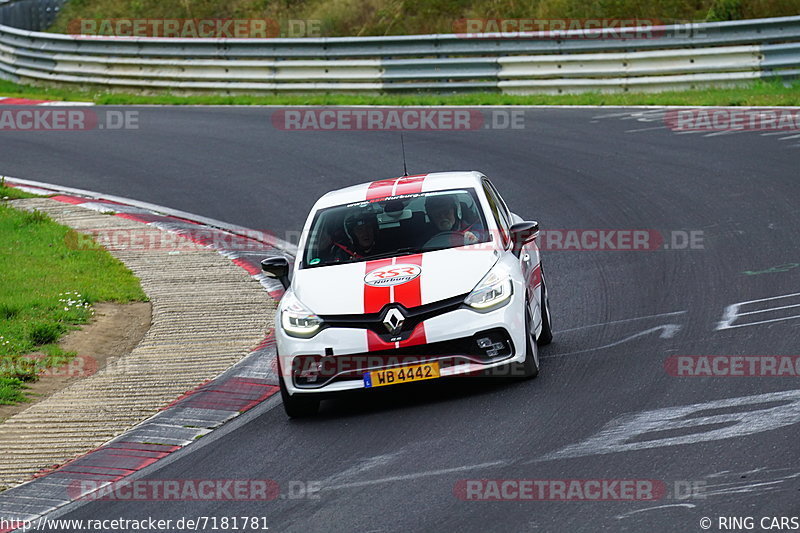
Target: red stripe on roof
x=410 y=184
x=380 y=189
x=405 y=185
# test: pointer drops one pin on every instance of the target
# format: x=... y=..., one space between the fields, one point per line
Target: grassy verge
x=12 y=193
x=47 y=290
x=405 y=17
x=756 y=94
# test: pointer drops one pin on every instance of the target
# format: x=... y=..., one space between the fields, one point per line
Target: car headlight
x=297 y=320
x=493 y=291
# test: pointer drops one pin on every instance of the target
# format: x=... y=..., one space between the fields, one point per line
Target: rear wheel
x=297 y=406
x=546 y=336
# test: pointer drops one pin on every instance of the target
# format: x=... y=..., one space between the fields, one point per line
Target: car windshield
x=394 y=226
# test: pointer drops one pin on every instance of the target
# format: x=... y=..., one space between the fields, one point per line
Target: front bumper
x=451 y=340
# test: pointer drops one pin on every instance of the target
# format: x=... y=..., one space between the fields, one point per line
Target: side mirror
x=277 y=267
x=522 y=233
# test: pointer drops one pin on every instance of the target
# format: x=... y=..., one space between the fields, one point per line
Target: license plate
x=403 y=374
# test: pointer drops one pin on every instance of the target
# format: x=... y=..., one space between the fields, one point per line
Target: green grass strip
x=759 y=93
x=48 y=288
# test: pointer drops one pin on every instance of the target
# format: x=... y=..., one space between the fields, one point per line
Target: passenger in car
x=444 y=214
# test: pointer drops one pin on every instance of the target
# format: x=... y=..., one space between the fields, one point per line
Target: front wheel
x=546 y=335
x=529 y=368
x=297 y=406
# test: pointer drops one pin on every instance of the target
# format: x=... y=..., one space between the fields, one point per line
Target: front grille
x=413 y=317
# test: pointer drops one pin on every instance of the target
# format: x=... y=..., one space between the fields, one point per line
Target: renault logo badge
x=394 y=320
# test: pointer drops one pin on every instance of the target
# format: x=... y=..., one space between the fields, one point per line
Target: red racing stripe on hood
x=376 y=297
x=374 y=300
x=410 y=295
x=407 y=294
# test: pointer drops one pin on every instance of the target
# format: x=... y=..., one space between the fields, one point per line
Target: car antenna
x=403 y=144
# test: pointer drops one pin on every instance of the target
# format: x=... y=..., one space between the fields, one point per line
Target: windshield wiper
x=410 y=250
x=400 y=251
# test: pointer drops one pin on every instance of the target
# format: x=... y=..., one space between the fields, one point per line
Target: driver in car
x=443 y=212
x=363 y=229
x=331 y=244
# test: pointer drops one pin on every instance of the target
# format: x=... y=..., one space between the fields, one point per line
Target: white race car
x=404 y=280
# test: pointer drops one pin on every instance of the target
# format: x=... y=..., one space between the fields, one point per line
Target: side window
x=469 y=211
x=498 y=209
x=502 y=203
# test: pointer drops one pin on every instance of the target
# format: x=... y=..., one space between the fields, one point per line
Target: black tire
x=546 y=335
x=529 y=368
x=297 y=406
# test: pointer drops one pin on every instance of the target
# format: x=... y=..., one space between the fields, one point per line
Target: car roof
x=436 y=181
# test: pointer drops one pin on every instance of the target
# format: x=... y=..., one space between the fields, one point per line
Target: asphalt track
x=390 y=462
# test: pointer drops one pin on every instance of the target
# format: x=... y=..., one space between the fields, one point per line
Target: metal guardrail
x=677 y=56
